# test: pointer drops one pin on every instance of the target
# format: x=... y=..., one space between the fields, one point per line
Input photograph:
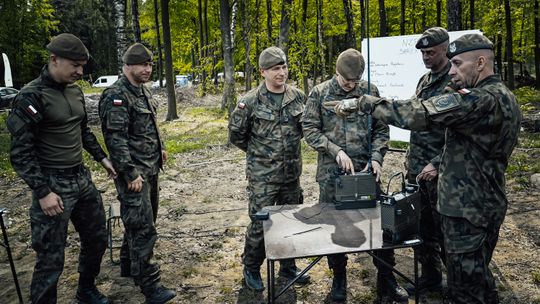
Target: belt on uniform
x=64 y=171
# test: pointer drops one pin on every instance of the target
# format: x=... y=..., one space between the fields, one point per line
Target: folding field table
x=301 y=231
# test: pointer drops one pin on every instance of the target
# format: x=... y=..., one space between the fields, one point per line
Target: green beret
x=432 y=37
x=468 y=42
x=270 y=57
x=68 y=46
x=137 y=54
x=350 y=64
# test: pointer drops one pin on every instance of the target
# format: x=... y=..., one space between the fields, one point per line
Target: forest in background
x=206 y=37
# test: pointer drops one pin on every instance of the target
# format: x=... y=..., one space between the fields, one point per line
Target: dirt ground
x=201 y=225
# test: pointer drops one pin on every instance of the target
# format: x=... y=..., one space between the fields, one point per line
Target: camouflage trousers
x=469 y=250
x=138 y=211
x=338 y=262
x=430 y=252
x=84 y=207
x=262 y=194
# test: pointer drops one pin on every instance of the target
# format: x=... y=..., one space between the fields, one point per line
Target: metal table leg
x=10 y=257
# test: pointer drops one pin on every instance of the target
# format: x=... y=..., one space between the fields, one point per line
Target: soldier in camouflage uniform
x=423 y=158
x=482 y=121
x=129 y=126
x=49 y=128
x=266 y=125
x=342 y=143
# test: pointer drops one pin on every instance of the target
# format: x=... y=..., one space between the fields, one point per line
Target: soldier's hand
x=136 y=184
x=366 y=103
x=106 y=163
x=164 y=155
x=345 y=162
x=377 y=170
x=51 y=204
x=451 y=87
x=347 y=106
x=429 y=173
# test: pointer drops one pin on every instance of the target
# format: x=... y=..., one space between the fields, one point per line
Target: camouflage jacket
x=426 y=146
x=49 y=128
x=269 y=135
x=129 y=126
x=328 y=133
x=482 y=129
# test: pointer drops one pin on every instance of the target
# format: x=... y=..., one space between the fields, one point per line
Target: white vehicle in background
x=105 y=81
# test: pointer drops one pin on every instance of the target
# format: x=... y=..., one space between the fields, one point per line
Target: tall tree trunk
x=383 y=26
x=509 y=45
x=537 y=43
x=171 y=98
x=246 y=34
x=158 y=38
x=269 y=22
x=351 y=37
x=119 y=10
x=498 y=54
x=202 y=47
x=362 y=20
x=439 y=9
x=424 y=15
x=520 y=44
x=453 y=15
x=228 y=100
x=135 y=20
x=402 y=18
x=305 y=69
x=257 y=30
x=320 y=38
x=471 y=12
x=285 y=25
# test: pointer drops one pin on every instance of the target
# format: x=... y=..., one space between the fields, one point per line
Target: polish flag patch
x=117 y=102
x=463 y=91
x=241 y=105
x=30 y=109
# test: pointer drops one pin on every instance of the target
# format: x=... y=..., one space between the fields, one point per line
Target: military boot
x=253 y=280
x=289 y=271
x=429 y=281
x=90 y=295
x=158 y=294
x=388 y=287
x=339 y=286
x=125 y=268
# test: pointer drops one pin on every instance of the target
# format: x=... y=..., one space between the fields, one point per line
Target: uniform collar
x=263 y=96
x=488 y=80
x=137 y=91
x=49 y=81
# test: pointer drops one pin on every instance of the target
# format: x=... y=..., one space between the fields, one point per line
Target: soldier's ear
x=480 y=63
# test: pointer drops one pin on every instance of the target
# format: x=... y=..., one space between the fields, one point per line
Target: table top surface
x=296 y=231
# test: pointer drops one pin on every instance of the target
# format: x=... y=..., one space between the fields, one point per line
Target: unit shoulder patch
x=445 y=103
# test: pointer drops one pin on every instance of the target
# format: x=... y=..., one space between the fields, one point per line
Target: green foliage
x=525 y=160
x=5 y=139
x=24 y=31
x=209 y=129
x=398 y=144
x=528 y=99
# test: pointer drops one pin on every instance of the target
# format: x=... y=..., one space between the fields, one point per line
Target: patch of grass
x=5 y=142
x=398 y=144
x=309 y=155
x=536 y=277
x=528 y=99
x=189 y=272
x=207 y=113
x=363 y=298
